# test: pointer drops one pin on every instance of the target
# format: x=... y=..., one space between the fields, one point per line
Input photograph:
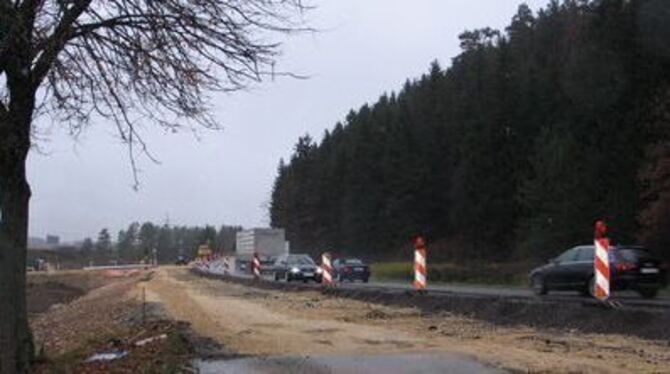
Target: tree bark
x=16 y=347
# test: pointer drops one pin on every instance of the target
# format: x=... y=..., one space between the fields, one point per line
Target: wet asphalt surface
x=387 y=364
x=625 y=298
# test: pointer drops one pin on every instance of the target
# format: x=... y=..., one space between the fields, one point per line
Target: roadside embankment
x=584 y=315
x=270 y=319
x=78 y=315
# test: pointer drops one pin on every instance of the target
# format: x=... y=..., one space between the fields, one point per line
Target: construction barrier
x=256 y=266
x=601 y=262
x=420 y=271
x=326 y=270
x=226 y=265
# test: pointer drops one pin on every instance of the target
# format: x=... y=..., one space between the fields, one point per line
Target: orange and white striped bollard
x=256 y=266
x=326 y=270
x=601 y=262
x=420 y=269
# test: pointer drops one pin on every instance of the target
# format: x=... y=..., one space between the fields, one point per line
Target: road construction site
x=241 y=325
x=270 y=319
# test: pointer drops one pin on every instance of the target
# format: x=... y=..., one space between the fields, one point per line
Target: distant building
x=53 y=240
x=36 y=243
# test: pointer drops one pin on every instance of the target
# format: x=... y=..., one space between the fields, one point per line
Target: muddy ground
x=252 y=321
x=46 y=289
x=75 y=314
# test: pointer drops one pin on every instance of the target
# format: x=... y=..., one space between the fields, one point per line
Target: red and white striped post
x=601 y=262
x=256 y=266
x=326 y=270
x=420 y=270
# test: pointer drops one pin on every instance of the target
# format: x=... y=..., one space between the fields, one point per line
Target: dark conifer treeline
x=515 y=150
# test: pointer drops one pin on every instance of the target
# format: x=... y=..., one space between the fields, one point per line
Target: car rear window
x=353 y=261
x=568 y=255
x=585 y=254
x=633 y=254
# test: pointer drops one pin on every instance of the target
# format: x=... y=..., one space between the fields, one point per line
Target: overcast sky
x=368 y=47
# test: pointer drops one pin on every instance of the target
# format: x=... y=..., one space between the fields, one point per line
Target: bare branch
x=135 y=62
x=55 y=43
x=139 y=61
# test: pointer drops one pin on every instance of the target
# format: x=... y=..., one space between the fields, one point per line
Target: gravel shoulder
x=252 y=321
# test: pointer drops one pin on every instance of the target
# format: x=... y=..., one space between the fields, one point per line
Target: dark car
x=292 y=267
x=631 y=268
x=181 y=260
x=350 y=269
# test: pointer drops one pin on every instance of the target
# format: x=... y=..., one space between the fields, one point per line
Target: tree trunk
x=16 y=347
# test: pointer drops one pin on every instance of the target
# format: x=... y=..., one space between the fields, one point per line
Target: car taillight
x=347 y=269
x=625 y=266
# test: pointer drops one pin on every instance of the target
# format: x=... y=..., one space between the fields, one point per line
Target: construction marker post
x=420 y=269
x=256 y=266
x=601 y=263
x=326 y=270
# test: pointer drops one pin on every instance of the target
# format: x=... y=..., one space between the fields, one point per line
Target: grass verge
x=505 y=274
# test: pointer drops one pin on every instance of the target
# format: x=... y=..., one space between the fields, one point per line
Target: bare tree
x=128 y=61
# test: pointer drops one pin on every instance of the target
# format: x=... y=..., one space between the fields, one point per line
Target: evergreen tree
x=104 y=242
x=514 y=150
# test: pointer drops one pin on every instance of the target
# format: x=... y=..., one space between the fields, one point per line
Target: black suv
x=631 y=268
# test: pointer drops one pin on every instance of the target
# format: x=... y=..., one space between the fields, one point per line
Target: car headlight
x=295 y=270
x=319 y=270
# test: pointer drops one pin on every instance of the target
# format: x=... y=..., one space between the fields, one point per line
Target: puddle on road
x=388 y=364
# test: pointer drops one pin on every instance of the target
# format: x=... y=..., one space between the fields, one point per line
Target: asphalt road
x=621 y=298
x=624 y=297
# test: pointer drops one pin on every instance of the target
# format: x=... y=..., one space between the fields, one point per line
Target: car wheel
x=365 y=280
x=648 y=293
x=538 y=285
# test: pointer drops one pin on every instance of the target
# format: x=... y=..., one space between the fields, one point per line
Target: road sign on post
x=420 y=270
x=256 y=266
x=326 y=270
x=601 y=263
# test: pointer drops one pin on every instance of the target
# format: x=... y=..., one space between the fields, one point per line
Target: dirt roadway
x=249 y=321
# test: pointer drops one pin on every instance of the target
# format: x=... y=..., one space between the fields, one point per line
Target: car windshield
x=300 y=260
